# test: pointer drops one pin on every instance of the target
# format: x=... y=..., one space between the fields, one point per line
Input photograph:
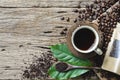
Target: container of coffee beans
x=112 y=58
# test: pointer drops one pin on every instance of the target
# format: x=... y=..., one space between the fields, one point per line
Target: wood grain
x=44 y=3
x=22 y=33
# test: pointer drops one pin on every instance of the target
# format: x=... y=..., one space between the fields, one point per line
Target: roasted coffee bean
x=92 y=5
x=114 y=26
x=80 y=16
x=75 y=10
x=3 y=49
x=80 y=11
x=65 y=29
x=62 y=18
x=87 y=6
x=83 y=10
x=68 y=19
x=20 y=45
x=75 y=21
x=63 y=33
x=95 y=1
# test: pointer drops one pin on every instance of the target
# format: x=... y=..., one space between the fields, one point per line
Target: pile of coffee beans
x=92 y=11
x=107 y=23
x=39 y=67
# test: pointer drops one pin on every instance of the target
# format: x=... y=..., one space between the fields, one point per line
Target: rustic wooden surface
x=26 y=26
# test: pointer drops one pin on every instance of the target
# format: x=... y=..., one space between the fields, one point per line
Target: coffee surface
x=84 y=38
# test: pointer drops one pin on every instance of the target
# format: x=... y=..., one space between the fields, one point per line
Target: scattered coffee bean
x=47 y=32
x=63 y=33
x=65 y=29
x=39 y=67
x=75 y=21
x=20 y=45
x=62 y=18
x=62 y=12
x=75 y=10
x=3 y=49
x=68 y=19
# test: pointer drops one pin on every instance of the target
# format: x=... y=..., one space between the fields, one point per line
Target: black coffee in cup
x=84 y=38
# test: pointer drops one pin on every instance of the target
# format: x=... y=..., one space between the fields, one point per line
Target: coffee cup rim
x=93 y=47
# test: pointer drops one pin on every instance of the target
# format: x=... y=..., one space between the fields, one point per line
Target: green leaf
x=62 y=53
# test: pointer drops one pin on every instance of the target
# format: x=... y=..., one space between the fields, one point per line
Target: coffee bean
x=80 y=11
x=3 y=49
x=75 y=21
x=87 y=6
x=63 y=33
x=62 y=18
x=75 y=10
x=83 y=11
x=65 y=29
x=68 y=19
x=20 y=45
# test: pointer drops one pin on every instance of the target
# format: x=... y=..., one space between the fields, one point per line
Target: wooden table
x=26 y=27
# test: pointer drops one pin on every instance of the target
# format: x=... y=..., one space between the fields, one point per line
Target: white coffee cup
x=85 y=39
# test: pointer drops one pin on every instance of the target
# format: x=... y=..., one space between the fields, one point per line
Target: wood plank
x=28 y=27
x=26 y=20
x=44 y=3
